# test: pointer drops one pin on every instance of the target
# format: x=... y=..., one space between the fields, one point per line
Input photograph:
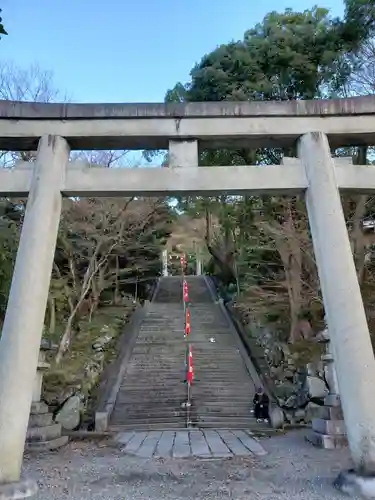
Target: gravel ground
x=293 y=469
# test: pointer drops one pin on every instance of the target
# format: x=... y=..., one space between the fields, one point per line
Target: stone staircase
x=153 y=391
x=222 y=391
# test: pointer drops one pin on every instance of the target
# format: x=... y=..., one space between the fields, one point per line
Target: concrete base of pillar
x=326 y=441
x=354 y=484
x=42 y=433
x=330 y=427
x=22 y=489
x=329 y=430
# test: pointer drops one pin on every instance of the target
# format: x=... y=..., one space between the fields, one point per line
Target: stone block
x=332 y=400
x=331 y=413
x=44 y=433
x=331 y=427
x=38 y=407
x=101 y=421
x=313 y=411
x=69 y=415
x=22 y=489
x=40 y=420
x=326 y=441
x=276 y=417
x=53 y=444
x=316 y=387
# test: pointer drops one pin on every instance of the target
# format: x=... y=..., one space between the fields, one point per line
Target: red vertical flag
x=190 y=375
x=187 y=322
x=185 y=290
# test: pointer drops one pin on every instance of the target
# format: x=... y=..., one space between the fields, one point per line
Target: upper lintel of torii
x=222 y=124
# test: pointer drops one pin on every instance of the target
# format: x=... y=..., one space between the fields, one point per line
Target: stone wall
x=293 y=373
x=70 y=389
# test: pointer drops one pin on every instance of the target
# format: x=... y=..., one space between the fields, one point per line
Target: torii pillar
x=23 y=324
x=346 y=319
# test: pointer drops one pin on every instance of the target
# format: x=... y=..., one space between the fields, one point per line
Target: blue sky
x=126 y=50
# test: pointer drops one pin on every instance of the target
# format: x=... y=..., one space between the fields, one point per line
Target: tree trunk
x=52 y=315
x=67 y=336
x=116 y=297
x=357 y=236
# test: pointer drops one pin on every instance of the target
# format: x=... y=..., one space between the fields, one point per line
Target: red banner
x=190 y=375
x=187 y=322
x=185 y=289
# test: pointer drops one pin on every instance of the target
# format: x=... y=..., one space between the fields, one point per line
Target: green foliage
x=2 y=29
x=9 y=219
x=289 y=55
x=359 y=22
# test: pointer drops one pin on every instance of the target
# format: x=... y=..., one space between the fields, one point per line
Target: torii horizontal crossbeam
x=212 y=124
x=204 y=181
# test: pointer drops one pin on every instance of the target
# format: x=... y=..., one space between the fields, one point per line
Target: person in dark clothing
x=261 y=405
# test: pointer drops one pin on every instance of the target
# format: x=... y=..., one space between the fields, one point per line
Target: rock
x=276 y=417
x=291 y=402
x=312 y=411
x=289 y=417
x=285 y=390
x=101 y=342
x=289 y=374
x=302 y=398
x=299 y=415
x=316 y=387
x=314 y=368
x=69 y=415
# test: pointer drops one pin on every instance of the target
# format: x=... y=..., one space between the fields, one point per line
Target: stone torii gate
x=55 y=129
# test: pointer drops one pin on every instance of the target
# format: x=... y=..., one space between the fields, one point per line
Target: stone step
x=228 y=419
x=163 y=426
x=174 y=399
x=47 y=433
x=38 y=407
x=147 y=406
x=138 y=423
x=41 y=420
x=151 y=414
x=53 y=444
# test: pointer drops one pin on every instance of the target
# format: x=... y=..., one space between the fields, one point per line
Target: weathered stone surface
x=53 y=444
x=316 y=386
x=326 y=441
x=44 y=433
x=181 y=447
x=101 y=421
x=101 y=342
x=332 y=427
x=15 y=491
x=38 y=407
x=312 y=411
x=332 y=400
x=331 y=413
x=199 y=446
x=190 y=443
x=276 y=417
x=40 y=420
x=69 y=415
